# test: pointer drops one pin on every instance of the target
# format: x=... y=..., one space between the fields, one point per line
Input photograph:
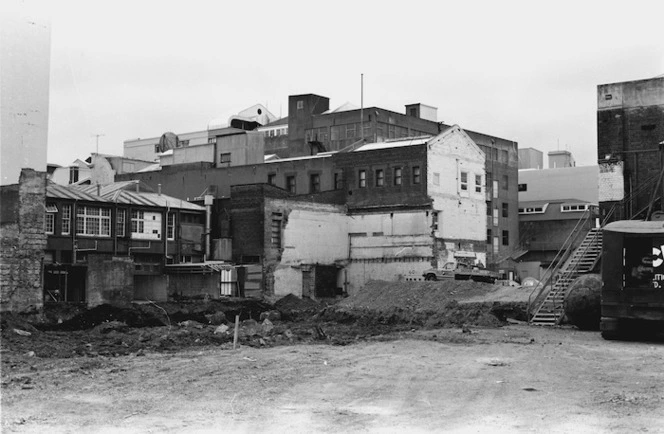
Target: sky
x=524 y=71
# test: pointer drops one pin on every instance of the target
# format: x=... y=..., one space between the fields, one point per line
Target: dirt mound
x=291 y=307
x=431 y=304
x=429 y=296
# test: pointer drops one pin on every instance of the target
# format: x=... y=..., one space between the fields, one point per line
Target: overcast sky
x=524 y=71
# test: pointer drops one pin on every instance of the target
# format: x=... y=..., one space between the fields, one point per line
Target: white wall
x=143 y=149
x=462 y=213
x=25 y=54
x=311 y=234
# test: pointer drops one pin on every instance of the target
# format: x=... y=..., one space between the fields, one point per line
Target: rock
x=272 y=315
x=110 y=326
x=289 y=334
x=221 y=329
x=267 y=326
x=30 y=354
x=216 y=318
x=22 y=332
x=250 y=327
x=191 y=323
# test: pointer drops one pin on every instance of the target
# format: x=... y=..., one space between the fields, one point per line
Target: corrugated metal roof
x=395 y=144
x=107 y=189
x=57 y=191
x=114 y=193
x=152 y=199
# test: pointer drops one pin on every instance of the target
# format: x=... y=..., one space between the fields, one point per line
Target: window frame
x=463 y=180
x=417 y=175
x=362 y=178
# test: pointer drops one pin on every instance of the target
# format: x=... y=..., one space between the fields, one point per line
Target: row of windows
x=96 y=222
x=277 y=132
x=494 y=154
x=379 y=179
x=353 y=130
x=541 y=209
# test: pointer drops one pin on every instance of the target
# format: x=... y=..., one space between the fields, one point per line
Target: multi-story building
x=113 y=243
x=630 y=132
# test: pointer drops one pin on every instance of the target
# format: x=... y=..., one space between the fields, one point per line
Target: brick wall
x=407 y=194
x=22 y=243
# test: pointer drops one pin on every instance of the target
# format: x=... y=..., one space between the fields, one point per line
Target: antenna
x=362 y=107
x=98 y=136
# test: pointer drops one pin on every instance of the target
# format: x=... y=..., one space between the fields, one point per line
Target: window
x=275 y=229
x=170 y=226
x=534 y=209
x=271 y=178
x=93 y=221
x=338 y=181
x=314 y=183
x=523 y=187
x=496 y=245
x=145 y=225
x=350 y=131
x=397 y=176
x=478 y=183
x=504 y=156
x=225 y=157
x=213 y=140
x=434 y=220
x=120 y=220
x=156 y=151
x=380 y=177
x=495 y=188
x=436 y=178
x=573 y=208
x=300 y=105
x=66 y=220
x=506 y=238
x=290 y=183
x=49 y=223
x=505 y=209
x=464 y=181
x=488 y=207
x=505 y=182
x=495 y=216
x=182 y=143
x=73 y=174
x=362 y=178
x=416 y=175
x=335 y=132
x=488 y=236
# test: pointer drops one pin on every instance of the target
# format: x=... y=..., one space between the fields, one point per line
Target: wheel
x=431 y=277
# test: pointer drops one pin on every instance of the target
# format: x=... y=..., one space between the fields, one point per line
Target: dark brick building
x=630 y=128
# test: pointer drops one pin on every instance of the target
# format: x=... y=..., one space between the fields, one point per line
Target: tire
x=431 y=277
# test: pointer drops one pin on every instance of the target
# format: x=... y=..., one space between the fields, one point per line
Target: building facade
x=630 y=132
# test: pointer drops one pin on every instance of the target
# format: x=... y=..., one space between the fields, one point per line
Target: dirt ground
x=356 y=366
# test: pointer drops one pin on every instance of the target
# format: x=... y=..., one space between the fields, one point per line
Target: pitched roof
x=393 y=144
x=117 y=193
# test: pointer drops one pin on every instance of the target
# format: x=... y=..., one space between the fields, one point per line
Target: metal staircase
x=582 y=260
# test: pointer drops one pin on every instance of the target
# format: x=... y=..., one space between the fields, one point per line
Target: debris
x=22 y=332
x=530 y=389
x=250 y=327
x=496 y=362
x=30 y=354
x=216 y=318
x=267 y=326
x=221 y=329
x=465 y=329
x=248 y=359
x=272 y=315
x=191 y=323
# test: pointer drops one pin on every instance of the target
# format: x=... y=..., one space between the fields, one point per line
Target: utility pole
x=98 y=136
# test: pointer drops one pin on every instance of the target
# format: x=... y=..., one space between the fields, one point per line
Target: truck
x=632 y=294
x=462 y=271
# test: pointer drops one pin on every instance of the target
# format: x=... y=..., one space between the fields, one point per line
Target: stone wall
x=22 y=243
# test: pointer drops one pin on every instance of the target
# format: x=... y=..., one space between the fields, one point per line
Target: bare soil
x=414 y=357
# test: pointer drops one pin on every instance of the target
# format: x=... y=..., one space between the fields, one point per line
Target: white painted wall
x=25 y=57
x=462 y=213
x=143 y=149
x=312 y=234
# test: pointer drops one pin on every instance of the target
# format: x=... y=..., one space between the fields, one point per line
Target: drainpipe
x=208 y=200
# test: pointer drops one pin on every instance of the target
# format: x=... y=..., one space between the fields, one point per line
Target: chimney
x=159 y=189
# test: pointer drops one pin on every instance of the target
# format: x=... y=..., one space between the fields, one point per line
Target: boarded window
x=275 y=235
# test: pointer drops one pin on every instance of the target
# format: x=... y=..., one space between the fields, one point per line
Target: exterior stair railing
x=568 y=264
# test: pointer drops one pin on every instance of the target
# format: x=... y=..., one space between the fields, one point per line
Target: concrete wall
x=190 y=154
x=151 y=287
x=563 y=183
x=22 y=243
x=110 y=280
x=246 y=148
x=143 y=149
x=25 y=54
x=310 y=234
x=194 y=285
